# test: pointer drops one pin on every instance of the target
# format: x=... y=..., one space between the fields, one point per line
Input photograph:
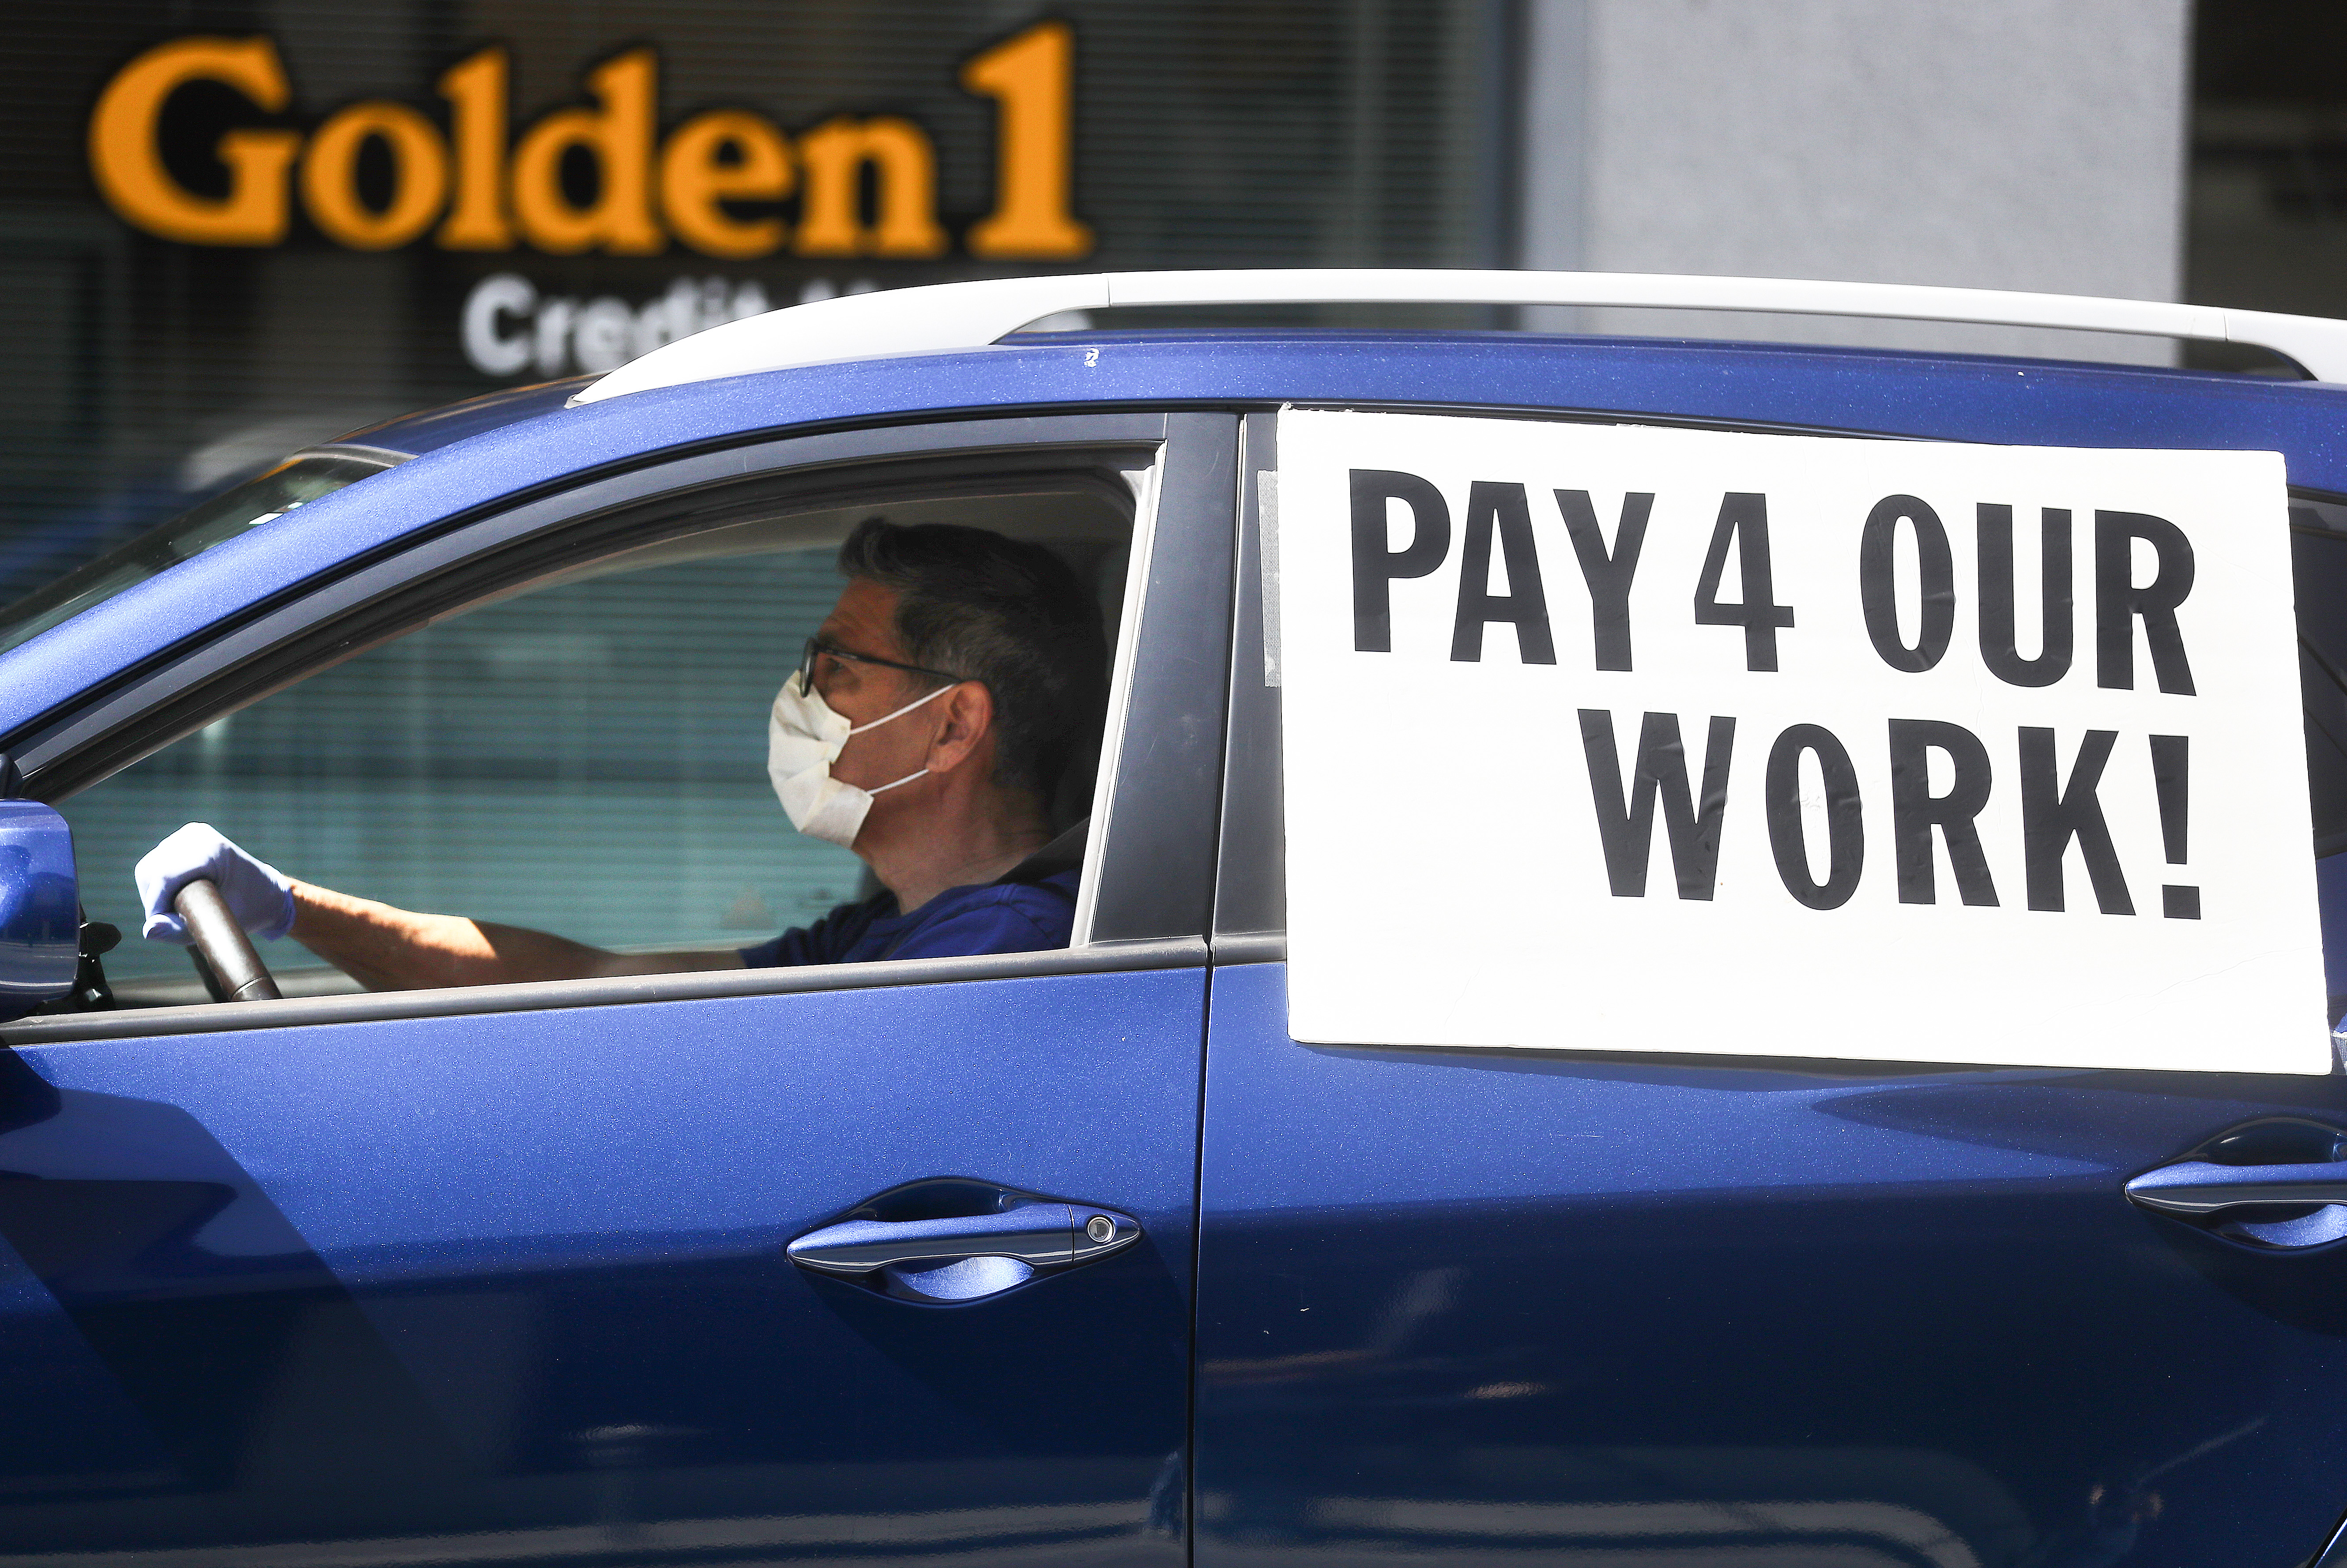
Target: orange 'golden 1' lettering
x=419 y=178
x=476 y=89
x=713 y=160
x=129 y=166
x=905 y=171
x=693 y=181
x=619 y=135
x=1031 y=79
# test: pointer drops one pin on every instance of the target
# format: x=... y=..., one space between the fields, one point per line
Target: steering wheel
x=222 y=953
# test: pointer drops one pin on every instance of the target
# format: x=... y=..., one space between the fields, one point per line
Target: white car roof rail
x=947 y=316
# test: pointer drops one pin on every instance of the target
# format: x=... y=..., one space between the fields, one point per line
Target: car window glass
x=2319 y=564
x=585 y=756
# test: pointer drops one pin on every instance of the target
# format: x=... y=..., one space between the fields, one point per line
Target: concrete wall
x=2017 y=144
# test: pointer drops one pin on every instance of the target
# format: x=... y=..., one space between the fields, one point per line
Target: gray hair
x=1007 y=614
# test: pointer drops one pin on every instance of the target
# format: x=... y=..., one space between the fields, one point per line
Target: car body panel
x=1475 y=1307
x=519 y=1278
x=1472 y=1306
x=428 y=430
x=1459 y=1306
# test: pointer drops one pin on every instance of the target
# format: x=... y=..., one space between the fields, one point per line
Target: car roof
x=493 y=452
x=429 y=429
x=976 y=313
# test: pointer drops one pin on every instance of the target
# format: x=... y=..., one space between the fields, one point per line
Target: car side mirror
x=40 y=907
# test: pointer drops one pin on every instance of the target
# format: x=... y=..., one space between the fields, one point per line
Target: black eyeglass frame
x=816 y=646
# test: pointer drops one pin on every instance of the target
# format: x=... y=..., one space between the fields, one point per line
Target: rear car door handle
x=966 y=1258
x=2198 y=1188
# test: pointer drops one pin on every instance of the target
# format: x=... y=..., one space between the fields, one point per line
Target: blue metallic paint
x=513 y=1285
x=451 y=1278
x=1945 y=397
x=433 y=428
x=1474 y=1307
x=40 y=913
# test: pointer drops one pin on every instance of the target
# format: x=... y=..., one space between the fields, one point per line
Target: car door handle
x=2199 y=1188
x=966 y=1256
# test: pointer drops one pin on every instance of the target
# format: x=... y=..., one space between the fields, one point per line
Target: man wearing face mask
x=926 y=728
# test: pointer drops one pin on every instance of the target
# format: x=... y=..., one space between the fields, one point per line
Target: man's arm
x=386 y=949
x=382 y=947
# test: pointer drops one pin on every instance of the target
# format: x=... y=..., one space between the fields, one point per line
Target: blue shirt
x=958 y=923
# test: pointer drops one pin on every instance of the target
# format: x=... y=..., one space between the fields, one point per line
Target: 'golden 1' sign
x=470 y=193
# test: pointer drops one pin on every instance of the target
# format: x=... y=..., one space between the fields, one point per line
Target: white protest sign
x=1613 y=738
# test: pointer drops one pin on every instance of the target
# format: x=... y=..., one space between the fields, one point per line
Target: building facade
x=229 y=230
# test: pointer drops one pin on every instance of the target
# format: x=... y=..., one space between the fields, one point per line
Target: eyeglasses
x=816 y=647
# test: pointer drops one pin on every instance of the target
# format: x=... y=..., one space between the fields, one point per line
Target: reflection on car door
x=516 y=1281
x=503 y=1279
x=1479 y=1307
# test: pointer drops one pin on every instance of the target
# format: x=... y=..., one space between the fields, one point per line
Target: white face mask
x=803 y=738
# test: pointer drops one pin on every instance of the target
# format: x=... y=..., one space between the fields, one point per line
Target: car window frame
x=1150 y=860
x=1250 y=921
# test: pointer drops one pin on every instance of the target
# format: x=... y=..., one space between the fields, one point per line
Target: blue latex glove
x=259 y=895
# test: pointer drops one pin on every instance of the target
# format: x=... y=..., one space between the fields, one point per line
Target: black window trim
x=388 y=595
x=1151 y=869
x=1251 y=874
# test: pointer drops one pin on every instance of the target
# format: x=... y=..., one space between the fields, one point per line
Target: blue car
x=1073 y=1257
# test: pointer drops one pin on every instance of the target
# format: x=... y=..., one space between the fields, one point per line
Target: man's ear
x=964 y=727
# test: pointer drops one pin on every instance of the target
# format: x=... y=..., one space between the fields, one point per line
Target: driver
x=925 y=729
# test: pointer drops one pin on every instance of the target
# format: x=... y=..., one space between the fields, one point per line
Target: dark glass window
x=2267 y=201
x=2319 y=562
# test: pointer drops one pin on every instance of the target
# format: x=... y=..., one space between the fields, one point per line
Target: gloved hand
x=259 y=895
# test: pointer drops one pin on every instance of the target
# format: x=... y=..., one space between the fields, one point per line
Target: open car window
x=584 y=753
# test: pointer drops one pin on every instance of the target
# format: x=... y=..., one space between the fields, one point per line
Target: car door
x=1481 y=1306
x=501 y=1275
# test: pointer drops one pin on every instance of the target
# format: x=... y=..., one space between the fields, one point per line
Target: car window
x=586 y=755
x=296 y=482
x=2319 y=566
x=2319 y=562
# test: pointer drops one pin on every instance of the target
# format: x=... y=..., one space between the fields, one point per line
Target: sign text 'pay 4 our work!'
x=1696 y=741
